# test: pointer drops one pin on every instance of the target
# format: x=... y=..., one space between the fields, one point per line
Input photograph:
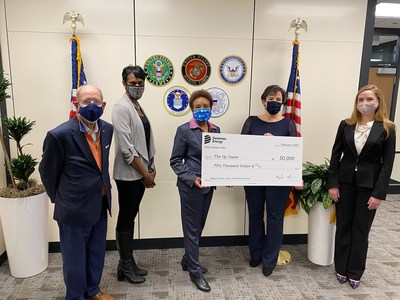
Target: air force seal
x=196 y=69
x=159 y=70
x=220 y=101
x=232 y=69
x=176 y=101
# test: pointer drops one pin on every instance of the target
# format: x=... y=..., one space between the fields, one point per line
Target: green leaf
x=316 y=185
x=326 y=200
x=23 y=167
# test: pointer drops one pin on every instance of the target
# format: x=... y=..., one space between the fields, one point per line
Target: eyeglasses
x=86 y=102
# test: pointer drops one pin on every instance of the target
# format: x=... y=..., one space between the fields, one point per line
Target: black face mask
x=273 y=107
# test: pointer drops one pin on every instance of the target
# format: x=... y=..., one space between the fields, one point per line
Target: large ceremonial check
x=234 y=159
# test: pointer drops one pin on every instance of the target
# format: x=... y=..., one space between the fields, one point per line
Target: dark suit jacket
x=186 y=157
x=71 y=176
x=374 y=164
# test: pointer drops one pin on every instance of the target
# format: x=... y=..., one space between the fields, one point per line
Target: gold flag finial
x=73 y=17
x=297 y=24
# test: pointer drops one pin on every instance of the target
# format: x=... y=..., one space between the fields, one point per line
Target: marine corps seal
x=196 y=69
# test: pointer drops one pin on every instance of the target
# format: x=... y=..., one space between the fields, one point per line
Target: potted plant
x=314 y=186
x=24 y=203
x=314 y=199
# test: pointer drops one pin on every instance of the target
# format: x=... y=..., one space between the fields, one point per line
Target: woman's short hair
x=136 y=71
x=273 y=90
x=200 y=93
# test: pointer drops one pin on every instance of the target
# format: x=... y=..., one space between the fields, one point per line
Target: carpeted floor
x=231 y=277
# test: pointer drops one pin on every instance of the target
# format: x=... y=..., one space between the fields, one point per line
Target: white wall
x=36 y=52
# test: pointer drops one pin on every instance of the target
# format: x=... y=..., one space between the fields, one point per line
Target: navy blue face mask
x=202 y=115
x=273 y=107
x=91 y=112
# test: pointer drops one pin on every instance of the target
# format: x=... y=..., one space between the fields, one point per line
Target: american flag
x=293 y=104
x=78 y=72
x=293 y=111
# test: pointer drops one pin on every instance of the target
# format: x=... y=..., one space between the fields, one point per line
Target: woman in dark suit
x=360 y=167
x=195 y=198
x=264 y=243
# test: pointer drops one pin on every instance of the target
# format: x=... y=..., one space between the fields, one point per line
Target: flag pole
x=78 y=74
x=284 y=257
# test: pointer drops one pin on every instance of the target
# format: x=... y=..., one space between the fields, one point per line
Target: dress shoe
x=200 y=283
x=101 y=296
x=185 y=267
x=267 y=271
x=354 y=283
x=342 y=279
x=254 y=262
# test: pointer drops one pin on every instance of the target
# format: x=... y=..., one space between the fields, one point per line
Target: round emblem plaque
x=196 y=69
x=159 y=70
x=232 y=69
x=176 y=101
x=220 y=100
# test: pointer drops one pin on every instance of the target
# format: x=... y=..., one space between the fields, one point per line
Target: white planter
x=25 y=228
x=321 y=235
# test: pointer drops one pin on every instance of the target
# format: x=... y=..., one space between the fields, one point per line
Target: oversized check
x=234 y=159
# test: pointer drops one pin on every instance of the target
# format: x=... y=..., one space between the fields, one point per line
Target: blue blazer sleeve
x=50 y=166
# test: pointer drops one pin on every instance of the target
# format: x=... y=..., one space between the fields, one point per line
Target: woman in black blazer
x=358 y=179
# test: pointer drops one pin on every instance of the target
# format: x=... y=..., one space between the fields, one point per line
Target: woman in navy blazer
x=358 y=179
x=195 y=198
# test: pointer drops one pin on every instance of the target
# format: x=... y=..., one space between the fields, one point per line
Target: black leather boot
x=139 y=271
x=125 y=269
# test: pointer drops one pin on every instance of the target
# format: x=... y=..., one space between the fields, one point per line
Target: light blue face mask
x=202 y=115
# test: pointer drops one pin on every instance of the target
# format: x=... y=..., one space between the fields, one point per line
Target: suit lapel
x=376 y=131
x=105 y=144
x=349 y=134
x=197 y=133
x=82 y=143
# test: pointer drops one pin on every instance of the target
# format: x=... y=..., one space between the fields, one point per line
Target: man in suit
x=74 y=171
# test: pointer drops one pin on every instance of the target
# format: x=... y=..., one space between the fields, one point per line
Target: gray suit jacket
x=186 y=157
x=130 y=141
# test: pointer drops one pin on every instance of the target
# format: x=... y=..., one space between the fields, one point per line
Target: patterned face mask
x=202 y=115
x=136 y=92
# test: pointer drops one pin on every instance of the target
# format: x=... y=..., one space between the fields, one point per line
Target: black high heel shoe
x=185 y=267
x=254 y=262
x=200 y=283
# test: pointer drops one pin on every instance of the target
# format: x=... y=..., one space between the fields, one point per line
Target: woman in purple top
x=265 y=242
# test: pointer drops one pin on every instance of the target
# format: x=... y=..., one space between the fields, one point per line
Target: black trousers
x=265 y=240
x=194 y=210
x=130 y=194
x=353 y=223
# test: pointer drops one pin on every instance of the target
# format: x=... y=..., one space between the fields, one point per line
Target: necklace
x=136 y=106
